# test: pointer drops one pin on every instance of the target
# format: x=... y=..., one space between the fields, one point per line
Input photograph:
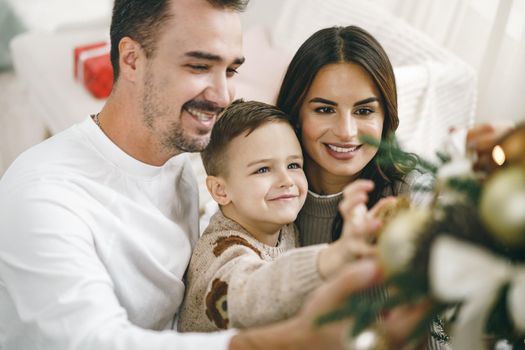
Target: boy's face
x=266 y=186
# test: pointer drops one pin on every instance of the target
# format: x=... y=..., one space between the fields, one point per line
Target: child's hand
x=353 y=208
x=359 y=229
x=359 y=222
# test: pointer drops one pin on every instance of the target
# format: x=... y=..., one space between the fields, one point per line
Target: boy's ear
x=217 y=188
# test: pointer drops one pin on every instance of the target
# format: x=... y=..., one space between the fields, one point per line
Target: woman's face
x=342 y=105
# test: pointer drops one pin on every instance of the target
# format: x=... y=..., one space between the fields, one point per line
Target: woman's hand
x=481 y=139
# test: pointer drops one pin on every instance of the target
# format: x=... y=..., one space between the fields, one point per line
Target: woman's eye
x=294 y=166
x=364 y=111
x=324 y=110
x=262 y=170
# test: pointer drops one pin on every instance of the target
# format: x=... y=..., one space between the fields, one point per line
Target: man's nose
x=219 y=92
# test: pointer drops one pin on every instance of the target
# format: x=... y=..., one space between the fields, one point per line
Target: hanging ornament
x=398 y=242
x=502 y=206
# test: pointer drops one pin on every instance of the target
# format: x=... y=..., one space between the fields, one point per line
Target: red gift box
x=93 y=68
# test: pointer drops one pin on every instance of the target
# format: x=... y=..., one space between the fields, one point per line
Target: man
x=97 y=223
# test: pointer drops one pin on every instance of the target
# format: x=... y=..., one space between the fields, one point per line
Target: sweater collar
x=322 y=205
x=227 y=224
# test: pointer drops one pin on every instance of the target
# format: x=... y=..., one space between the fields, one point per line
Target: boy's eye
x=324 y=110
x=294 y=166
x=262 y=170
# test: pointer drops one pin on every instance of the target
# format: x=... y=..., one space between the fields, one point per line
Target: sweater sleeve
x=420 y=188
x=56 y=294
x=261 y=293
x=237 y=288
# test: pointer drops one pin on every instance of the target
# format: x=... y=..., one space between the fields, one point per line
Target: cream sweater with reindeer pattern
x=235 y=281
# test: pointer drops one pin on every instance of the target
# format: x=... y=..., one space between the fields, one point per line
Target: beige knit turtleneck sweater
x=319 y=211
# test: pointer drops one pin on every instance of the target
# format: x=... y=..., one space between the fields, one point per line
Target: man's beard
x=183 y=141
x=174 y=139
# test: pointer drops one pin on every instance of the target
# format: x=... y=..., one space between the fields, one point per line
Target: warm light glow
x=498 y=155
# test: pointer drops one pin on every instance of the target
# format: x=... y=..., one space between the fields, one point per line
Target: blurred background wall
x=487 y=34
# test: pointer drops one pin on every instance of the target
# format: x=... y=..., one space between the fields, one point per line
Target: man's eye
x=230 y=72
x=294 y=166
x=262 y=170
x=198 y=67
x=324 y=110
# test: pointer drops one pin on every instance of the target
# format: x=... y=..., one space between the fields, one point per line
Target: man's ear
x=130 y=52
x=217 y=188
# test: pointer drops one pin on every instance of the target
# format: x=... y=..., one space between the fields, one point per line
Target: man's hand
x=300 y=332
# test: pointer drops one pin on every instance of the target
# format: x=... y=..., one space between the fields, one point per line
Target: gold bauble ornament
x=502 y=207
x=397 y=243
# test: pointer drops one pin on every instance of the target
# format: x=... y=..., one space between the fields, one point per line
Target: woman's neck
x=322 y=182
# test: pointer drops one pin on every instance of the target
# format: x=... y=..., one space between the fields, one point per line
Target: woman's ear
x=217 y=188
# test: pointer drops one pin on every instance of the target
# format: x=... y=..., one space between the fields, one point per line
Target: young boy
x=244 y=271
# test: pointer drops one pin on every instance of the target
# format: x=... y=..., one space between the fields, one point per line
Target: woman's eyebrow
x=322 y=100
x=366 y=100
x=332 y=103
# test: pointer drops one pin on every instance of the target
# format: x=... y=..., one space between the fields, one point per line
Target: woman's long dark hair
x=351 y=45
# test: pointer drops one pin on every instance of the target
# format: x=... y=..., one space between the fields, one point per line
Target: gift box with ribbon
x=92 y=68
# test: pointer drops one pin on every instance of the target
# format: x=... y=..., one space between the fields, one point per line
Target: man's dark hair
x=239 y=118
x=143 y=21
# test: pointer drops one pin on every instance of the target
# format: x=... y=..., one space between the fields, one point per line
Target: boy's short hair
x=238 y=118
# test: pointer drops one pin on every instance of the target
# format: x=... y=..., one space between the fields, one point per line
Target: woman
x=339 y=87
